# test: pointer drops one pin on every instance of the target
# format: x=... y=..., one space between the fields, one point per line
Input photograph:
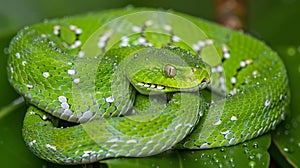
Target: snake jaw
x=146 y=88
x=151 y=86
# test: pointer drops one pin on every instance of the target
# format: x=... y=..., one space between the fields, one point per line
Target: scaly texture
x=132 y=80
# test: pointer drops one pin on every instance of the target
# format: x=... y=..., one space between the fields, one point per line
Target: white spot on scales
x=104 y=38
x=18 y=55
x=225 y=51
x=177 y=126
x=86 y=116
x=124 y=41
x=131 y=141
x=205 y=146
x=142 y=40
x=225 y=132
x=88 y=153
x=189 y=125
x=218 y=122
x=267 y=103
x=76 y=44
x=233 y=91
x=108 y=155
x=62 y=99
x=65 y=105
x=29 y=86
x=43 y=35
x=51 y=147
x=233 y=118
x=110 y=99
x=255 y=74
x=56 y=29
x=137 y=29
x=46 y=74
x=242 y=64
x=176 y=38
x=168 y=27
x=75 y=29
x=76 y=80
x=11 y=68
x=32 y=142
x=245 y=63
x=282 y=116
x=114 y=145
x=150 y=141
x=44 y=117
x=233 y=80
x=113 y=140
x=81 y=54
x=280 y=97
x=148 y=23
x=202 y=43
x=219 y=68
x=71 y=72
x=144 y=148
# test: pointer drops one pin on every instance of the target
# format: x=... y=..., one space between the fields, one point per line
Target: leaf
x=11 y=143
x=249 y=154
x=287 y=136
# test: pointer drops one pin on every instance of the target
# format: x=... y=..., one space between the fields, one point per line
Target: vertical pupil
x=170 y=71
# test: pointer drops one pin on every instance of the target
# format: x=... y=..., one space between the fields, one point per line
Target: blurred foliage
x=273 y=21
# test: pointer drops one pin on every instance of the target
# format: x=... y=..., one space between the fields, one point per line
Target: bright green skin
x=255 y=101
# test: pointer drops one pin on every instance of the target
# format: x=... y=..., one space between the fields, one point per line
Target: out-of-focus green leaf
x=287 y=136
x=13 y=150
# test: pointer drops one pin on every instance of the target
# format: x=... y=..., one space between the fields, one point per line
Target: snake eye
x=170 y=71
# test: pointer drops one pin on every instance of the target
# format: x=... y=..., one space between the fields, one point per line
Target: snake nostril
x=204 y=80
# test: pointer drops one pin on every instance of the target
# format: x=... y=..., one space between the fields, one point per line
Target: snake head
x=165 y=70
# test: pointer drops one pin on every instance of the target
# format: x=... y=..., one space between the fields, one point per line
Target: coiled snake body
x=134 y=83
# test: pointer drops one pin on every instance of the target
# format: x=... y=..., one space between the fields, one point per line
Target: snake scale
x=137 y=82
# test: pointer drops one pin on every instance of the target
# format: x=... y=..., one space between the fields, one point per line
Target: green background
x=274 y=21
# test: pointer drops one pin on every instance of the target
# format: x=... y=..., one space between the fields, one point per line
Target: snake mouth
x=151 y=86
x=163 y=88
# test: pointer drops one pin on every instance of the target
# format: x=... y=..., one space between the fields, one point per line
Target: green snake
x=137 y=82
